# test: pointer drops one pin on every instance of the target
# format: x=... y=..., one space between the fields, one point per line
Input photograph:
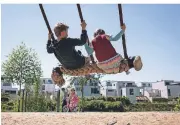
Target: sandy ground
x=133 y=118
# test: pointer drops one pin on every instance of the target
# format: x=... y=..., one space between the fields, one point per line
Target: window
x=121 y=92
x=95 y=84
x=49 y=81
x=131 y=91
x=6 y=84
x=129 y=84
x=12 y=92
x=149 y=85
x=94 y=91
x=114 y=84
x=167 y=83
x=76 y=83
x=44 y=81
x=169 y=92
x=108 y=84
x=78 y=89
x=143 y=84
x=110 y=90
x=43 y=87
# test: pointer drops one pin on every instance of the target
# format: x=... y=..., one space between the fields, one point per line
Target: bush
x=177 y=107
x=111 y=99
x=99 y=105
x=160 y=100
x=4 y=107
x=150 y=107
x=5 y=97
x=124 y=100
x=40 y=104
x=107 y=106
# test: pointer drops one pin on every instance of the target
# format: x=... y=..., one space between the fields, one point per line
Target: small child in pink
x=73 y=100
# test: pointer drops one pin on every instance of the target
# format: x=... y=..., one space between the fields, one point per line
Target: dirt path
x=134 y=118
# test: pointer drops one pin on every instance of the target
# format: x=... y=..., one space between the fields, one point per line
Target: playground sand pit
x=133 y=118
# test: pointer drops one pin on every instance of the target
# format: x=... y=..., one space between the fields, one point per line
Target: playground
x=88 y=118
x=49 y=54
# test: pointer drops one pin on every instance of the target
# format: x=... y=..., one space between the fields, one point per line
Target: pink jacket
x=74 y=99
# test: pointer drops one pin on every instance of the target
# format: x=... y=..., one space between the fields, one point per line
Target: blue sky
x=153 y=31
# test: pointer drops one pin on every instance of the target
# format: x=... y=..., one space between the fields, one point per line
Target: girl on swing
x=108 y=59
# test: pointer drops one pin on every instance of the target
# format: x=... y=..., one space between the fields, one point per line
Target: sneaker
x=137 y=63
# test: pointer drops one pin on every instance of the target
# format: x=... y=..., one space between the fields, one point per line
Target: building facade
x=120 y=88
x=167 y=88
x=47 y=86
x=91 y=88
x=10 y=89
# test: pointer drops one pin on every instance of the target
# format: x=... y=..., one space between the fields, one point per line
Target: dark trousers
x=130 y=62
x=64 y=103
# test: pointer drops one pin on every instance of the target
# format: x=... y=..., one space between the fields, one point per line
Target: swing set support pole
x=46 y=21
x=123 y=36
x=81 y=18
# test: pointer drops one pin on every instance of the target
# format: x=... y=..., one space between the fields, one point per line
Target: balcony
x=131 y=85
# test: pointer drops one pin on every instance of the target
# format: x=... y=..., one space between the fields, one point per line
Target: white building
x=168 y=88
x=108 y=88
x=144 y=86
x=47 y=86
x=121 y=88
x=152 y=93
x=91 y=88
x=10 y=89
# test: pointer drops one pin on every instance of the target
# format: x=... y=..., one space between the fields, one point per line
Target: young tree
x=22 y=67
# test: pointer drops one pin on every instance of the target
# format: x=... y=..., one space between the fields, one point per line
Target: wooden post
x=58 y=100
x=19 y=100
x=25 y=101
x=22 y=106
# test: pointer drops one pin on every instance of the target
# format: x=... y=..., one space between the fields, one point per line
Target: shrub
x=99 y=105
x=5 y=97
x=107 y=106
x=39 y=104
x=160 y=100
x=112 y=99
x=151 y=107
x=177 y=107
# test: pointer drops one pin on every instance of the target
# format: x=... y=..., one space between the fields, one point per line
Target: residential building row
x=134 y=91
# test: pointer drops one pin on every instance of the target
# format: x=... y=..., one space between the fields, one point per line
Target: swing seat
x=90 y=69
x=86 y=70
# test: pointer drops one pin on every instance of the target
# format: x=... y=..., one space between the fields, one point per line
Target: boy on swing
x=64 y=50
x=64 y=47
x=108 y=59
